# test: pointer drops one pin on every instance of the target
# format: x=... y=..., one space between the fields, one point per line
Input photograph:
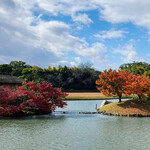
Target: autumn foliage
x=139 y=85
x=113 y=82
x=31 y=98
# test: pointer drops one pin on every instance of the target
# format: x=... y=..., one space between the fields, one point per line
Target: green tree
x=5 y=69
x=17 y=67
x=31 y=74
x=136 y=67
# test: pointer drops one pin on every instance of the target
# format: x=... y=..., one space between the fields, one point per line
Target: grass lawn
x=89 y=96
x=128 y=107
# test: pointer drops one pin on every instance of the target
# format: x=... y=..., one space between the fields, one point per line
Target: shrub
x=31 y=98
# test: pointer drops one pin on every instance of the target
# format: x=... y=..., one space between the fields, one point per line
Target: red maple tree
x=112 y=83
x=137 y=84
x=31 y=98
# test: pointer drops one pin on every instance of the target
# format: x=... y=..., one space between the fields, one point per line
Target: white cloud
x=114 y=11
x=73 y=63
x=16 y=29
x=96 y=53
x=82 y=18
x=67 y=8
x=110 y=34
x=22 y=33
x=52 y=36
x=134 y=11
x=55 y=36
x=78 y=60
x=61 y=62
x=128 y=53
x=6 y=59
x=92 y=51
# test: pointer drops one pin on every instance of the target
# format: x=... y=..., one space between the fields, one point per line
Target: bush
x=31 y=98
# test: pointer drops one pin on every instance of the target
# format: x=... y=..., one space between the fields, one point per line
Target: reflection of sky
x=82 y=105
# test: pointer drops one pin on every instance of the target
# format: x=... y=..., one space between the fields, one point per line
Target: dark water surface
x=75 y=131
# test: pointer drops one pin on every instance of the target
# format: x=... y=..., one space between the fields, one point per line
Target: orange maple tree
x=112 y=82
x=137 y=84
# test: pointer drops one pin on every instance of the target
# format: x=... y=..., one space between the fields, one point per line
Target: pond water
x=73 y=131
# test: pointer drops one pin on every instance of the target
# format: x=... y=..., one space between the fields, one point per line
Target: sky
x=104 y=33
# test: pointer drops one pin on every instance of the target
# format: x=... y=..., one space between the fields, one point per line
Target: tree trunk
x=140 y=98
x=120 y=98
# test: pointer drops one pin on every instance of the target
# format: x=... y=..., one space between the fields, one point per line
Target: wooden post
x=96 y=106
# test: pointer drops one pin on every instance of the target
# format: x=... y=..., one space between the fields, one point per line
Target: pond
x=73 y=131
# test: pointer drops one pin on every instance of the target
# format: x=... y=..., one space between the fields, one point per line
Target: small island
x=127 y=108
x=116 y=82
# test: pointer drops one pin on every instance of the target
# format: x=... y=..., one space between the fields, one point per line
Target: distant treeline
x=137 y=68
x=82 y=77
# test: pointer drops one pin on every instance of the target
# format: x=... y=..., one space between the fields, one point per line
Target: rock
x=116 y=114
x=113 y=113
x=144 y=115
x=129 y=115
x=133 y=115
x=104 y=112
x=87 y=112
x=105 y=102
x=99 y=112
x=122 y=115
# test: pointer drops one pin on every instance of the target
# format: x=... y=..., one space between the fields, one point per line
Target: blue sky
x=105 y=33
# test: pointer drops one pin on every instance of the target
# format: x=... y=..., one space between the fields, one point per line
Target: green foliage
x=137 y=68
x=75 y=78
x=31 y=74
x=82 y=77
x=5 y=69
x=17 y=67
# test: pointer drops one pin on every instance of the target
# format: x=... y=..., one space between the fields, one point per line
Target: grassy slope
x=89 y=96
x=128 y=107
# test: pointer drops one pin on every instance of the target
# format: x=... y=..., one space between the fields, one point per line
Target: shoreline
x=93 y=99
